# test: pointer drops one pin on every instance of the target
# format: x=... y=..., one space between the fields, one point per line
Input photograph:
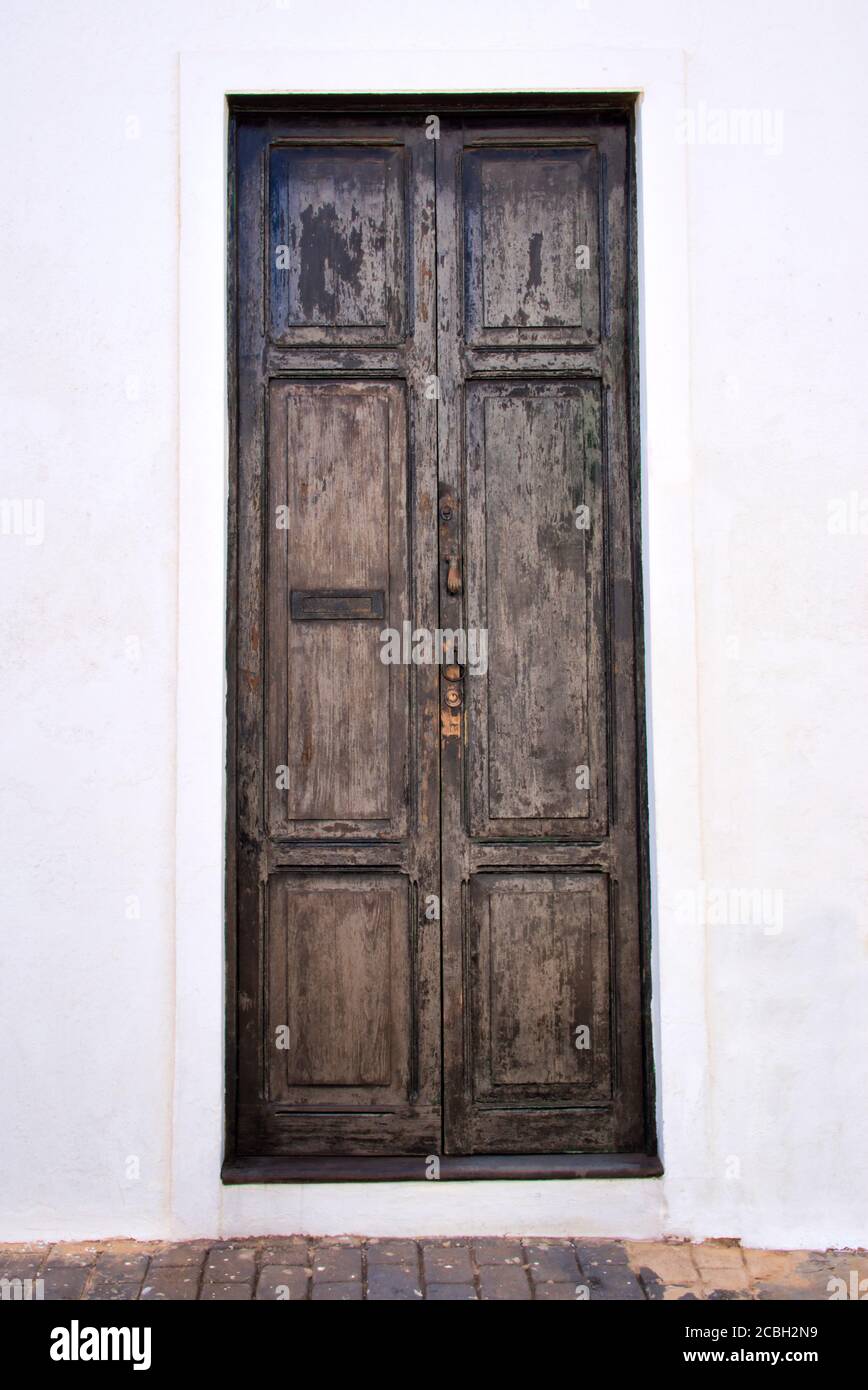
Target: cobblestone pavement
x=352 y=1269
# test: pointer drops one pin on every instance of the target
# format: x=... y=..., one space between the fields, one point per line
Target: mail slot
x=311 y=605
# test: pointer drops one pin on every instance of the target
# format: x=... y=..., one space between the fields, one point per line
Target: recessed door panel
x=338 y=718
x=531 y=229
x=540 y=982
x=535 y=544
x=340 y=1011
x=336 y=252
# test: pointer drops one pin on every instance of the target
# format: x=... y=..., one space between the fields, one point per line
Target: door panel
x=527 y=211
x=339 y=968
x=335 y=832
x=537 y=718
x=540 y=978
x=338 y=718
x=338 y=215
x=539 y=771
x=436 y=882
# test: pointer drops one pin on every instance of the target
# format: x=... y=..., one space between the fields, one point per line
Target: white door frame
x=650 y=1207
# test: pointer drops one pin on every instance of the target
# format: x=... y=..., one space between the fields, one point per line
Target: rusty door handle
x=453 y=576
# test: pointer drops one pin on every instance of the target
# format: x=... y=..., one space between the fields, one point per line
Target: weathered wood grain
x=531 y=236
x=338 y=718
x=407 y=261
x=539 y=714
x=543 y=772
x=333 y=780
x=336 y=248
x=339 y=970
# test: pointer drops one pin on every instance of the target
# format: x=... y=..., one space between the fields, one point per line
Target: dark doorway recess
x=437 y=886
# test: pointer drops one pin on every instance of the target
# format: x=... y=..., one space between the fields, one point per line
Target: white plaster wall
x=755 y=419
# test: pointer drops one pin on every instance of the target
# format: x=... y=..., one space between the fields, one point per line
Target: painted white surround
x=752 y=313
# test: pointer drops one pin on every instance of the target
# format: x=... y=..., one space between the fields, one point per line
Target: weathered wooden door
x=437 y=905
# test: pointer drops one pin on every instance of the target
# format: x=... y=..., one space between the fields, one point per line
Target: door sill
x=453 y=1168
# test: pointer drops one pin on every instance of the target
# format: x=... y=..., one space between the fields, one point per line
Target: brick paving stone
x=843 y=1274
x=506 y=1269
x=599 y=1254
x=337 y=1264
x=774 y=1264
x=654 y=1287
x=550 y=1292
x=188 y=1254
x=387 y=1252
x=726 y=1282
x=606 y=1270
x=337 y=1293
x=552 y=1264
x=128 y=1247
x=610 y=1282
x=292 y=1251
x=852 y=1259
x=447 y=1264
x=229 y=1264
x=498 y=1252
x=63 y=1282
x=721 y=1267
x=122 y=1266
x=394 y=1283
x=718 y=1254
x=622 y=1288
x=671 y=1263
x=72 y=1253
x=20 y=1265
x=179 y=1283
x=109 y=1289
x=795 y=1275
x=236 y=1292
x=287 y=1283
x=504 y=1283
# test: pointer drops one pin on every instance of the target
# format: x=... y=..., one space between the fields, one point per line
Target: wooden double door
x=436 y=890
